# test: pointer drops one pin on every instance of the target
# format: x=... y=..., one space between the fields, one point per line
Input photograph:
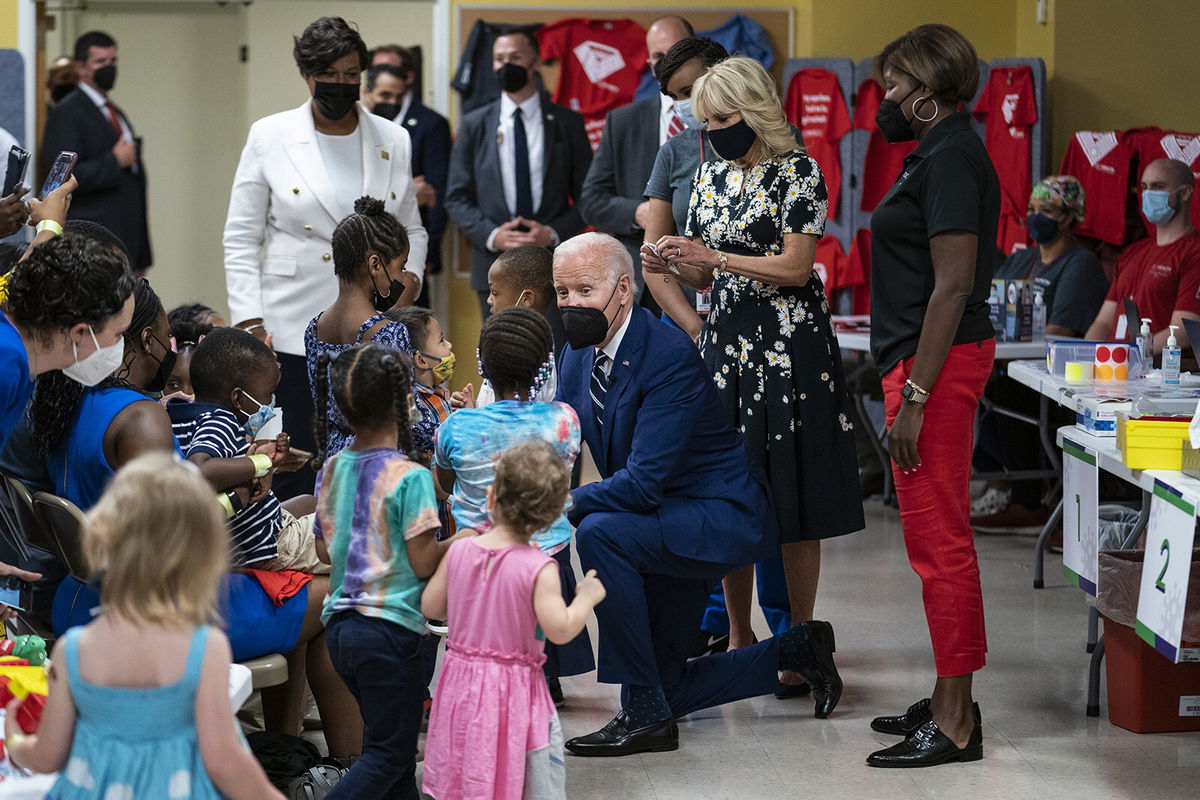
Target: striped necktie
x=676 y=125
x=599 y=387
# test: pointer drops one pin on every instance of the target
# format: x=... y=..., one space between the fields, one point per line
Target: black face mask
x=61 y=90
x=733 y=142
x=383 y=302
x=386 y=110
x=586 y=326
x=335 y=100
x=166 y=365
x=892 y=123
x=512 y=78
x=106 y=77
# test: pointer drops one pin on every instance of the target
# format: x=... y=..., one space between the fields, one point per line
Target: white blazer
x=282 y=212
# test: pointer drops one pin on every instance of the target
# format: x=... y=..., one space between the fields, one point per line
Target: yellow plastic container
x=1152 y=442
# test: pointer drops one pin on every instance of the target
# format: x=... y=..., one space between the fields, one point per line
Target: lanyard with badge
x=703 y=297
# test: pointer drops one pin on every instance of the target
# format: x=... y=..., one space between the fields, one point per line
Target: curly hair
x=226 y=359
x=370 y=229
x=65 y=281
x=416 y=321
x=323 y=42
x=513 y=346
x=371 y=385
x=56 y=397
x=530 y=487
x=683 y=51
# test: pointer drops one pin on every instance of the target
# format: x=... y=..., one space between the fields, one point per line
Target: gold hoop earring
x=918 y=117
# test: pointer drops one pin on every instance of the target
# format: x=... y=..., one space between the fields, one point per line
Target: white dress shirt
x=344 y=164
x=614 y=345
x=102 y=103
x=666 y=113
x=535 y=138
x=405 y=104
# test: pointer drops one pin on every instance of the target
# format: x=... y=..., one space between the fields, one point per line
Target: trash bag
x=1120 y=584
x=1116 y=522
x=283 y=757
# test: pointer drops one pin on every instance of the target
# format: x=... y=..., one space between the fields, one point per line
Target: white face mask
x=99 y=365
x=683 y=110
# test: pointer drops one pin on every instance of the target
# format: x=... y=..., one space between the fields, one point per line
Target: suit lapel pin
x=393 y=195
x=385 y=155
x=411 y=122
x=624 y=363
x=295 y=190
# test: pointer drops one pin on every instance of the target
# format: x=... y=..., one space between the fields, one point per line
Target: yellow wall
x=8 y=24
x=859 y=29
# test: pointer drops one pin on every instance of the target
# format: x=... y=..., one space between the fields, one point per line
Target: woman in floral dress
x=755 y=217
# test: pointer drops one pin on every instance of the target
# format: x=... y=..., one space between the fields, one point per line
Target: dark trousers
x=652 y=610
x=295 y=398
x=574 y=657
x=382 y=667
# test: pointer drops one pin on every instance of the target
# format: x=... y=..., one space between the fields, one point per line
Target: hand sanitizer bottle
x=1039 y=316
x=1145 y=343
x=1170 y=360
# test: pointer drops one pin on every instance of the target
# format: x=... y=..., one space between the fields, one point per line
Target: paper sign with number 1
x=1081 y=521
x=1165 y=572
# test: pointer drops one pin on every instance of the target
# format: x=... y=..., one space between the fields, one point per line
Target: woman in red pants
x=933 y=240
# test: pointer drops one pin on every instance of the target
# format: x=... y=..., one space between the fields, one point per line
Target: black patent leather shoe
x=928 y=747
x=786 y=691
x=907 y=723
x=823 y=677
x=617 y=739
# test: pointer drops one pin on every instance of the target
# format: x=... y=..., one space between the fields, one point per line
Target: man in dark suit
x=614 y=194
x=389 y=93
x=518 y=165
x=679 y=506
x=112 y=179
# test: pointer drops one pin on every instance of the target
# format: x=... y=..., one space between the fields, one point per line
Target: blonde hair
x=740 y=85
x=530 y=489
x=938 y=57
x=159 y=536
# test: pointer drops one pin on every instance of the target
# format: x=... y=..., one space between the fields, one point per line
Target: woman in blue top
x=369 y=251
x=515 y=352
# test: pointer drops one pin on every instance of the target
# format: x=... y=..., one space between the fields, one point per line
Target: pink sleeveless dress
x=491 y=707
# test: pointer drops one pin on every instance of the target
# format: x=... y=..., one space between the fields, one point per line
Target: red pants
x=935 y=505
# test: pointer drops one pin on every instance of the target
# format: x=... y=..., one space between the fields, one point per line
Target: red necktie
x=113 y=119
x=676 y=125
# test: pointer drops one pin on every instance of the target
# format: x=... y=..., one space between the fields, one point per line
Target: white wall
x=192 y=100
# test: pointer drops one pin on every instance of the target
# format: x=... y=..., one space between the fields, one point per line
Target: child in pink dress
x=493 y=730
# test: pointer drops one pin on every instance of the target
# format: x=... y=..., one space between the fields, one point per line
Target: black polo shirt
x=948 y=185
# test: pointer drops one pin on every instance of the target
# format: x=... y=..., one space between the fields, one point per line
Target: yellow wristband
x=225 y=502
x=262 y=464
x=49 y=225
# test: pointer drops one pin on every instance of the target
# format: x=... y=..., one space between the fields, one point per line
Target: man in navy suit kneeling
x=679 y=506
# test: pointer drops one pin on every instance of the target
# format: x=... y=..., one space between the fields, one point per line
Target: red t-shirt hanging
x=602 y=63
x=1151 y=144
x=830 y=264
x=1008 y=105
x=884 y=160
x=1161 y=280
x=1100 y=160
x=858 y=271
x=815 y=106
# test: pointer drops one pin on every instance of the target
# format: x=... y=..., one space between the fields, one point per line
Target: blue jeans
x=381 y=665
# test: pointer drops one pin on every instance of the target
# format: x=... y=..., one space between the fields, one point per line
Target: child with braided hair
x=376 y=520
x=515 y=357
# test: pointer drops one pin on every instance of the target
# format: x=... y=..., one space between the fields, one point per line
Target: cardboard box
x=996 y=307
x=1098 y=415
x=1018 y=311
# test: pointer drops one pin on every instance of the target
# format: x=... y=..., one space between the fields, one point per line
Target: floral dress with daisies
x=771 y=349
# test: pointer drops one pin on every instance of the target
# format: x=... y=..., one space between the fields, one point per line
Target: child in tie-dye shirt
x=376 y=520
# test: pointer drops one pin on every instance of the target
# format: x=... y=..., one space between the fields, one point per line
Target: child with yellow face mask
x=432 y=367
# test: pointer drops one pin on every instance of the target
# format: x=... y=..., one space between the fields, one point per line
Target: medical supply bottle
x=1039 y=316
x=1145 y=343
x=1170 y=360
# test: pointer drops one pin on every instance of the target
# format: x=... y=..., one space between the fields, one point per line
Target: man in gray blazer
x=614 y=194
x=518 y=165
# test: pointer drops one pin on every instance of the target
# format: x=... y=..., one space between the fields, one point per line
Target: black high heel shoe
x=814 y=662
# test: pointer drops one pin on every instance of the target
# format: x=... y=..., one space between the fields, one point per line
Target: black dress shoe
x=907 y=723
x=822 y=675
x=616 y=739
x=928 y=747
x=786 y=691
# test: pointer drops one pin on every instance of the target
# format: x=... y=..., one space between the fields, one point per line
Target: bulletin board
x=777 y=22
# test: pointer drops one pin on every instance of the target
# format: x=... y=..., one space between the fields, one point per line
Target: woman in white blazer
x=299 y=175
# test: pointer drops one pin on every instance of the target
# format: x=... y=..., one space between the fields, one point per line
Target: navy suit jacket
x=667 y=448
x=108 y=194
x=475 y=195
x=430 y=135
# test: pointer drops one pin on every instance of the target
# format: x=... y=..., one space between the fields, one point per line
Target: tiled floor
x=1037 y=741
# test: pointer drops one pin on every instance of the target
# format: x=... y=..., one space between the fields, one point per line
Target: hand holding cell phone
x=60 y=172
x=14 y=176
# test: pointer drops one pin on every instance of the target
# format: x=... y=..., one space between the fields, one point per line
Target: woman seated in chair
x=86 y=434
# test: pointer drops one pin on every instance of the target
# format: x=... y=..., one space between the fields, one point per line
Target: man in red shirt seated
x=1161 y=273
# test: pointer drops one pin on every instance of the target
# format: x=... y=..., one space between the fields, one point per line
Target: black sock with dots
x=646 y=706
x=795 y=650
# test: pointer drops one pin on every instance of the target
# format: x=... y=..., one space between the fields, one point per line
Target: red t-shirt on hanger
x=1100 y=160
x=602 y=62
x=830 y=263
x=1009 y=106
x=858 y=271
x=884 y=160
x=815 y=106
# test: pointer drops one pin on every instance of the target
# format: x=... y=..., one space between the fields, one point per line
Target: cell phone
x=18 y=161
x=60 y=172
x=16 y=593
